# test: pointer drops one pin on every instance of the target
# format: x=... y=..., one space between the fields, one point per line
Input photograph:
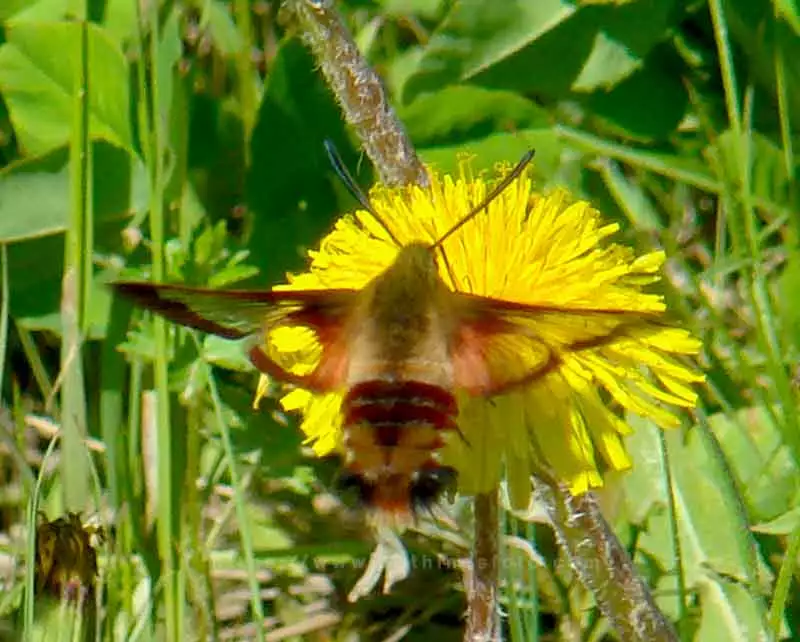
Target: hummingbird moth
x=398 y=350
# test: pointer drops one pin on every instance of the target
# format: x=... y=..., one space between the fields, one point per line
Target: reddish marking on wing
x=479 y=350
x=470 y=353
x=236 y=314
x=328 y=376
x=266 y=365
x=473 y=371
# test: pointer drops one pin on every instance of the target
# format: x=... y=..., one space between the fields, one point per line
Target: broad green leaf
x=711 y=527
x=759 y=461
x=34 y=199
x=289 y=184
x=476 y=35
x=549 y=47
x=34 y=209
x=10 y=7
x=645 y=483
x=746 y=22
x=402 y=67
x=729 y=611
x=647 y=104
x=33 y=10
x=462 y=112
x=37 y=82
x=784 y=524
x=606 y=54
x=230 y=355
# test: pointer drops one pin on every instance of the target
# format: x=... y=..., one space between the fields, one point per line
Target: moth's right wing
x=322 y=351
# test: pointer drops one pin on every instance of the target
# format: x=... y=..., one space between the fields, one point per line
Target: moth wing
x=498 y=346
x=263 y=317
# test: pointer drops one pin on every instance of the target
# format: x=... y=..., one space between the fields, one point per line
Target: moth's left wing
x=238 y=314
x=498 y=346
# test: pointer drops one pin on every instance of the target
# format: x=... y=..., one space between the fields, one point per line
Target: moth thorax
x=404 y=316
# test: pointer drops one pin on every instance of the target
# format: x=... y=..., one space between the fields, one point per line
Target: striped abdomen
x=392 y=430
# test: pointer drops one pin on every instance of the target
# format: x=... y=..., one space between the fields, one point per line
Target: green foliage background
x=207 y=118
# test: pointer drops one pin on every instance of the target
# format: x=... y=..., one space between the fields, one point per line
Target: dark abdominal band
x=392 y=431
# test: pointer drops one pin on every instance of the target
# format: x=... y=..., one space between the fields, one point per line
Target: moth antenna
x=347 y=180
x=515 y=173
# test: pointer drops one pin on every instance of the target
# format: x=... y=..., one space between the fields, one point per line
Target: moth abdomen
x=392 y=432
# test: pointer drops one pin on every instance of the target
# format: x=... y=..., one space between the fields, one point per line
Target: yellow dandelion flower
x=596 y=343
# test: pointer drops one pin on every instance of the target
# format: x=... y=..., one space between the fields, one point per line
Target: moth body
x=400 y=404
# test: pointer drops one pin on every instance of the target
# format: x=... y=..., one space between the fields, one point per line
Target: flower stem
x=603 y=565
x=483 y=622
x=360 y=93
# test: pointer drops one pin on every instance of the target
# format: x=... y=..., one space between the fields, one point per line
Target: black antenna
x=347 y=180
x=515 y=173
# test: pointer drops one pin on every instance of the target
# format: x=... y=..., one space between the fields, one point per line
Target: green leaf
x=289 y=183
x=34 y=201
x=34 y=210
x=477 y=35
x=33 y=9
x=759 y=461
x=711 y=527
x=746 y=24
x=608 y=63
x=730 y=611
x=784 y=524
x=648 y=104
x=645 y=486
x=548 y=47
x=120 y=21
x=37 y=83
x=463 y=112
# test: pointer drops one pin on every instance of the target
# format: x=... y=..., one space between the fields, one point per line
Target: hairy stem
x=360 y=93
x=483 y=621
x=603 y=565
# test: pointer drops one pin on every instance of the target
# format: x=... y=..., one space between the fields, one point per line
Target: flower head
x=531 y=249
